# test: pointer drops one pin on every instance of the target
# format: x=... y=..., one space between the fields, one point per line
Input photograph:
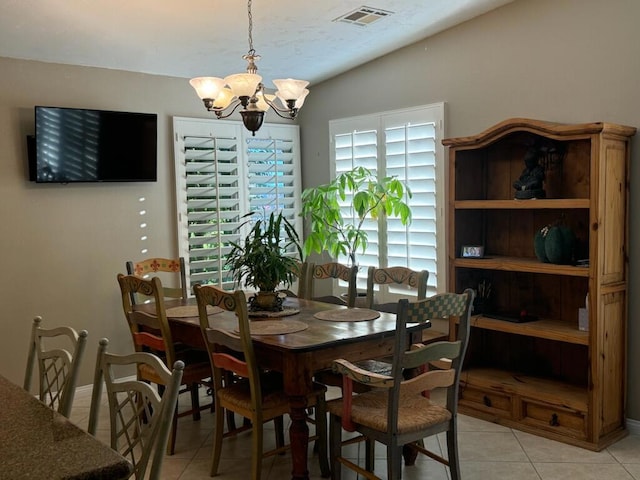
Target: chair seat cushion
x=382 y=366
x=370 y=409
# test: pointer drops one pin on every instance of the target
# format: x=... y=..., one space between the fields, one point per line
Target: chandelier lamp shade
x=223 y=96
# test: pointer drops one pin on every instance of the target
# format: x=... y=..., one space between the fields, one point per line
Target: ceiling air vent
x=364 y=16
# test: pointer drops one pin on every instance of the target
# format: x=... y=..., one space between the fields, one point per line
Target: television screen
x=80 y=145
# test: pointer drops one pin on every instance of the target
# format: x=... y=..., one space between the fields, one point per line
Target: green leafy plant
x=371 y=197
x=261 y=259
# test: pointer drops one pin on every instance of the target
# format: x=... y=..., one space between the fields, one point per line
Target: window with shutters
x=406 y=144
x=223 y=173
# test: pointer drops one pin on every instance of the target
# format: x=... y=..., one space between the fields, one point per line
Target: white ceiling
x=188 y=38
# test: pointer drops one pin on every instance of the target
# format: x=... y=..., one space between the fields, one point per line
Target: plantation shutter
x=410 y=148
x=359 y=149
x=273 y=172
x=223 y=173
x=405 y=144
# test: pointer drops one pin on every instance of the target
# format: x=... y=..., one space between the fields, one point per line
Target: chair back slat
x=335 y=271
x=414 y=279
x=427 y=381
x=154 y=266
x=424 y=354
x=233 y=364
x=146 y=339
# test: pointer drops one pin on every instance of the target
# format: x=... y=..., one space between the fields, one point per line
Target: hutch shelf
x=544 y=376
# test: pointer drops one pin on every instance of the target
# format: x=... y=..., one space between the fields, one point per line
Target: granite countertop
x=39 y=443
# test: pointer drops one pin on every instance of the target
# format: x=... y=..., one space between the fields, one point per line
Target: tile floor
x=487 y=451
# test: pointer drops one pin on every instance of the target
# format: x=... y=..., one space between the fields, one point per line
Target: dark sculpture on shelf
x=529 y=185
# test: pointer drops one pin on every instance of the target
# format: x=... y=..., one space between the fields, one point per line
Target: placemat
x=285 y=312
x=347 y=315
x=276 y=327
x=190 y=311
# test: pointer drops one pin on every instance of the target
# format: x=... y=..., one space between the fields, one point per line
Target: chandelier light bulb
x=243 y=84
x=224 y=99
x=289 y=88
x=262 y=100
x=207 y=87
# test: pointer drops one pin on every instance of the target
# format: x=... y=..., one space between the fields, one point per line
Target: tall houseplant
x=262 y=260
x=371 y=197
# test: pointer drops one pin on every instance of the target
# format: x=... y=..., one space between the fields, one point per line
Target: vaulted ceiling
x=296 y=38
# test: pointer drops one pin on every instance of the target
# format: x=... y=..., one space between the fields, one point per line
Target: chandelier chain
x=251 y=49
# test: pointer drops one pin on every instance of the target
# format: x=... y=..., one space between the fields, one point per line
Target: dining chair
x=417 y=281
x=332 y=271
x=301 y=273
x=154 y=266
x=58 y=352
x=232 y=356
x=396 y=412
x=140 y=419
x=151 y=333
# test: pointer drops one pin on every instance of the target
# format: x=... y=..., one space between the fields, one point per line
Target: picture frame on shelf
x=472 y=251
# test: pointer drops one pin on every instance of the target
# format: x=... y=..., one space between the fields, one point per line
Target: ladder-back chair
x=140 y=419
x=232 y=357
x=153 y=267
x=151 y=333
x=58 y=353
x=397 y=412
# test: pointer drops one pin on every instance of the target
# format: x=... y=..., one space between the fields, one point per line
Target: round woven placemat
x=276 y=327
x=285 y=312
x=190 y=311
x=347 y=315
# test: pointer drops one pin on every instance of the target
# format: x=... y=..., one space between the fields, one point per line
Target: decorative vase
x=554 y=244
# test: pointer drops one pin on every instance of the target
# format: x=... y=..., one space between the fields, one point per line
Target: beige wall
x=557 y=60
x=62 y=245
x=567 y=61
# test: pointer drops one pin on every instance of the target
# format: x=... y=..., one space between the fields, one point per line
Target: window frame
x=231 y=129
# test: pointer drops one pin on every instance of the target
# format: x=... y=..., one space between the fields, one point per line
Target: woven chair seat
x=382 y=367
x=370 y=410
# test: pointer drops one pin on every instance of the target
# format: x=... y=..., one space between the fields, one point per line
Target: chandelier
x=223 y=96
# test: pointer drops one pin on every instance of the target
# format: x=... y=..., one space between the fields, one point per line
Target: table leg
x=299 y=437
x=410 y=454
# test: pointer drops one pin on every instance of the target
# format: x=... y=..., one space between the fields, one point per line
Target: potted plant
x=262 y=260
x=371 y=197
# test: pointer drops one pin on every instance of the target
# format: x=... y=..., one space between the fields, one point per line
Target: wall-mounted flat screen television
x=81 y=145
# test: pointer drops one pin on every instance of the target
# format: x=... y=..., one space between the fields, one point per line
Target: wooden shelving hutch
x=546 y=376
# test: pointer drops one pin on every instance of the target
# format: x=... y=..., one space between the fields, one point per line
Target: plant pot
x=361 y=299
x=266 y=301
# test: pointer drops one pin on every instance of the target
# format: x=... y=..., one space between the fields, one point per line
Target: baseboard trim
x=633 y=426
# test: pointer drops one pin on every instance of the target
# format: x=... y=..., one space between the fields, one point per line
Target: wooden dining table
x=299 y=355
x=38 y=442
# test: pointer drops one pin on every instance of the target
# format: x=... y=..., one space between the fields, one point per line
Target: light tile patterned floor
x=487 y=451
